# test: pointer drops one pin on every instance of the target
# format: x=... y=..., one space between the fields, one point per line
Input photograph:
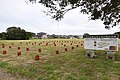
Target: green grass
x=3 y=64
x=70 y=65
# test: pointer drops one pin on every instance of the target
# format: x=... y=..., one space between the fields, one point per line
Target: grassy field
x=71 y=64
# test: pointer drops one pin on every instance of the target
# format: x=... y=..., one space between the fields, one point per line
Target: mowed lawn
x=59 y=59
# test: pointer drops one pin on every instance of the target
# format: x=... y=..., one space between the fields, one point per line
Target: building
x=42 y=35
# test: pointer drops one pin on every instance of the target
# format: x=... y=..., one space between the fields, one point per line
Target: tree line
x=117 y=33
x=15 y=33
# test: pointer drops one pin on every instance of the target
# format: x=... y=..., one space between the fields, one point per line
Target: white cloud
x=31 y=18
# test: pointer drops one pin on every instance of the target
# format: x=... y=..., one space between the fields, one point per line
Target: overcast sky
x=31 y=18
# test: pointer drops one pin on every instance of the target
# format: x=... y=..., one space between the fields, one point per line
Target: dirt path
x=6 y=76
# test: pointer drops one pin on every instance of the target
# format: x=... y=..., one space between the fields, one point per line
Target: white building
x=42 y=35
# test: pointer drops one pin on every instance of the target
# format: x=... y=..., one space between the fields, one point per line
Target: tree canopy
x=107 y=11
x=118 y=33
x=15 y=33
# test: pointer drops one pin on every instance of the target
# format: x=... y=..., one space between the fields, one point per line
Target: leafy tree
x=29 y=35
x=3 y=35
x=0 y=35
x=53 y=36
x=107 y=11
x=118 y=33
x=85 y=34
x=32 y=34
x=16 y=33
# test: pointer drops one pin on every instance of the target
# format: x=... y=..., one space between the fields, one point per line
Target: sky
x=32 y=18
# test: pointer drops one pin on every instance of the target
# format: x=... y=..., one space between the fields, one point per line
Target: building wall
x=44 y=36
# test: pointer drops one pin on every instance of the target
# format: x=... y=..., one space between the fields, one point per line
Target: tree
x=3 y=35
x=107 y=11
x=16 y=33
x=85 y=35
x=118 y=33
x=29 y=35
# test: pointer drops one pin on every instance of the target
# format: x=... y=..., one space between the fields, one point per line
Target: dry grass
x=67 y=65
